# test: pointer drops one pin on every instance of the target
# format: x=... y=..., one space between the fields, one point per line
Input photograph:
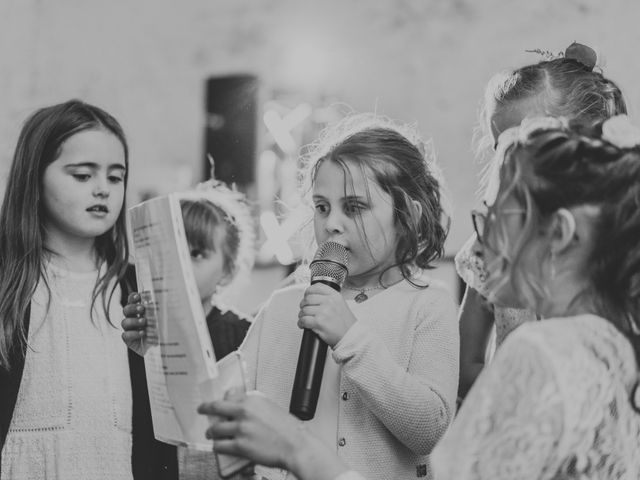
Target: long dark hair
x=22 y=234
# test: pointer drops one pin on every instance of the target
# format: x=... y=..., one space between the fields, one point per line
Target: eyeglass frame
x=475 y=214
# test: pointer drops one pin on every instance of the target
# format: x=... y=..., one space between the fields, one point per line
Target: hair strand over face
x=395 y=158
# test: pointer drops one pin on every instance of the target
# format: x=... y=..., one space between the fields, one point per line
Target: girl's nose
x=334 y=223
x=101 y=188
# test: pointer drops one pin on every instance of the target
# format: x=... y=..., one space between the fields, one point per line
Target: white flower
x=507 y=137
x=529 y=125
x=533 y=124
x=619 y=131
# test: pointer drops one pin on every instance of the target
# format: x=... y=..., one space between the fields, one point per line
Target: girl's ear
x=563 y=230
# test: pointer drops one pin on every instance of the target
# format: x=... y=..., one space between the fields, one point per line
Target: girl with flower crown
x=220 y=233
x=567 y=85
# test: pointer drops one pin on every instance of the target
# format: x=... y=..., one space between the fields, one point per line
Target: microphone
x=329 y=266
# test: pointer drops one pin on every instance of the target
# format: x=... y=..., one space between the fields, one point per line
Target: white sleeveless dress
x=72 y=418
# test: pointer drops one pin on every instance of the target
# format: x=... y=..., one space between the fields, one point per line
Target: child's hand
x=134 y=324
x=324 y=311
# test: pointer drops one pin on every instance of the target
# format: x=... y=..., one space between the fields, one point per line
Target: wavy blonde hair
x=563 y=167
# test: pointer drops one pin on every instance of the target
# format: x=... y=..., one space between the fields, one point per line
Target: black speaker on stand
x=231 y=128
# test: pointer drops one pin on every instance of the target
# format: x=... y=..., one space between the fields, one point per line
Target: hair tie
x=581 y=53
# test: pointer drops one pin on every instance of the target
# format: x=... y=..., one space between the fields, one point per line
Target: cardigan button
x=342 y=442
x=345 y=396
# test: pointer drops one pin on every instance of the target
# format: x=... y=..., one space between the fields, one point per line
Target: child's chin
x=94 y=233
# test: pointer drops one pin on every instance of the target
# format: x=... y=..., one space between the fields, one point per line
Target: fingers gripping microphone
x=329 y=266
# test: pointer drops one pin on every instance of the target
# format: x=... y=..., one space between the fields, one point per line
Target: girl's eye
x=115 y=179
x=197 y=254
x=82 y=177
x=322 y=208
x=353 y=208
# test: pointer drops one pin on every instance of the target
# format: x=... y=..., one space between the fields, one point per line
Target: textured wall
x=423 y=61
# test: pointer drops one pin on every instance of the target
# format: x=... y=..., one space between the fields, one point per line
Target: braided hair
x=574 y=164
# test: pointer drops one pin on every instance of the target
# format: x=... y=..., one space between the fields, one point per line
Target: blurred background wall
x=420 y=61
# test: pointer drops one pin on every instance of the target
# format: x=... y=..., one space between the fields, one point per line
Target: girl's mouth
x=98 y=209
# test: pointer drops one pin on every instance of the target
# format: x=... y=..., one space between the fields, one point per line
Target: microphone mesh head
x=330 y=261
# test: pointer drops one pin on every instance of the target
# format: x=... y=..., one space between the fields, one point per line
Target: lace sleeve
x=470 y=266
x=510 y=423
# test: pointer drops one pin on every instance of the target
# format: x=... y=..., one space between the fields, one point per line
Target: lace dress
x=554 y=403
x=470 y=267
x=72 y=418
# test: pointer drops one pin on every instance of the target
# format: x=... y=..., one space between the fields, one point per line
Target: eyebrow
x=117 y=166
x=346 y=199
x=359 y=198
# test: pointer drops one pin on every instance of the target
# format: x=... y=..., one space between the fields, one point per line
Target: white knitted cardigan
x=398 y=380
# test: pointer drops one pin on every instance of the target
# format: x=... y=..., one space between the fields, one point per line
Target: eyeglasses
x=482 y=219
x=479 y=220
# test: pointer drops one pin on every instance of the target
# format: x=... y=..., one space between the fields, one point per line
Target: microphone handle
x=308 y=379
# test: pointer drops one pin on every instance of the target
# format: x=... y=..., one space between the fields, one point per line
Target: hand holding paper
x=135 y=325
x=177 y=348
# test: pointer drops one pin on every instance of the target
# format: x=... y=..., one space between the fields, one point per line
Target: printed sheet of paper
x=179 y=360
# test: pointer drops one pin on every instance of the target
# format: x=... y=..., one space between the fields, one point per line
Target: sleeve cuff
x=350 y=343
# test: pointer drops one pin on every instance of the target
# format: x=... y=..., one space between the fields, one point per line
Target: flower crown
x=236 y=210
x=620 y=132
x=583 y=54
x=617 y=130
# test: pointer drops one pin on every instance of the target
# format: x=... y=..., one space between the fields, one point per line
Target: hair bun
x=581 y=53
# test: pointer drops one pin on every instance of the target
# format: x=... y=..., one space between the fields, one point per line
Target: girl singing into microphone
x=389 y=386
